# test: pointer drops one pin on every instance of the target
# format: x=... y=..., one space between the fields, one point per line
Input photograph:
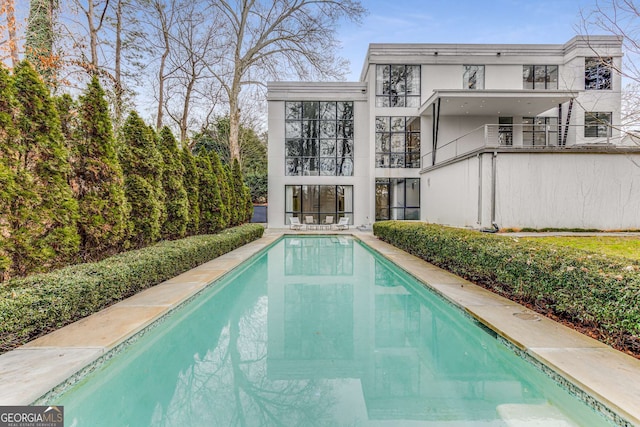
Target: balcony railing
x=518 y=136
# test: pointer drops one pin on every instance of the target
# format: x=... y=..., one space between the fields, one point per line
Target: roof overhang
x=524 y=103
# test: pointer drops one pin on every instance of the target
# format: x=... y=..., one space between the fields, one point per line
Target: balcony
x=521 y=138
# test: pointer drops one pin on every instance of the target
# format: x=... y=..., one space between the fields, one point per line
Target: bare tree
x=621 y=18
x=274 y=39
x=10 y=44
x=187 y=81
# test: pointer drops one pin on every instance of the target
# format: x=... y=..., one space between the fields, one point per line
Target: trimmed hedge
x=590 y=290
x=33 y=306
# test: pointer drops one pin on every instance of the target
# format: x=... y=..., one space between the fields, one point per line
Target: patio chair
x=295 y=223
x=343 y=223
x=328 y=220
x=309 y=219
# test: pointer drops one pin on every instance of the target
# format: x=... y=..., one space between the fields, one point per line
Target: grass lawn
x=628 y=247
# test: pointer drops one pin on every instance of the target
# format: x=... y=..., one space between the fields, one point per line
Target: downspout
x=494 y=227
x=480 y=189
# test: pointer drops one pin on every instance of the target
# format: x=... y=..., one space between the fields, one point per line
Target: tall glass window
x=540 y=131
x=318 y=201
x=319 y=138
x=397 y=142
x=397 y=86
x=540 y=77
x=397 y=198
x=597 y=124
x=473 y=77
x=597 y=73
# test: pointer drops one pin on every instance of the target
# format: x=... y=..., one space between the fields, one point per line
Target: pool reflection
x=315 y=332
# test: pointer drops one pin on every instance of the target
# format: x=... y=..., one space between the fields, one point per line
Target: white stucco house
x=459 y=134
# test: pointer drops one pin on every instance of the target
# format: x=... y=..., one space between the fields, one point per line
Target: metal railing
x=518 y=136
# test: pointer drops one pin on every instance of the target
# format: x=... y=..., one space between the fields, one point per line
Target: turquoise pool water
x=319 y=331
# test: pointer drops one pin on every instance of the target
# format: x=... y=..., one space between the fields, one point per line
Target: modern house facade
x=463 y=135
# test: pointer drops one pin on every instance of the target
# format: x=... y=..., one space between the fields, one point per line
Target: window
x=319 y=138
x=318 y=201
x=397 y=142
x=597 y=73
x=597 y=124
x=397 y=198
x=398 y=86
x=473 y=77
x=539 y=131
x=540 y=77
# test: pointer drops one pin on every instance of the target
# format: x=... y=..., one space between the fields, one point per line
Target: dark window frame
x=308 y=132
x=317 y=213
x=538 y=126
x=547 y=84
x=599 y=119
x=388 y=183
x=597 y=73
x=466 y=85
x=393 y=99
x=385 y=139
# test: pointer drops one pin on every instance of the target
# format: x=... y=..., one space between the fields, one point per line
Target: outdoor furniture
x=295 y=223
x=343 y=223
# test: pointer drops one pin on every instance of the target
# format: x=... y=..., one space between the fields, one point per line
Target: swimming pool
x=319 y=331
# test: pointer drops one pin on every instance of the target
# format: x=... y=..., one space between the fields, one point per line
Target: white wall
x=363 y=186
x=537 y=190
x=565 y=190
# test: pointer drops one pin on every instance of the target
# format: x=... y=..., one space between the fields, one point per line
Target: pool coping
x=31 y=372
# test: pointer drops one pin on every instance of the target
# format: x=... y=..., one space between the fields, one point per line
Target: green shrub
x=33 y=306
x=587 y=289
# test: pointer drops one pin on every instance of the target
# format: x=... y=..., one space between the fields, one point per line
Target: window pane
x=293 y=129
x=293 y=167
x=328 y=148
x=293 y=110
x=310 y=128
x=527 y=77
x=327 y=129
x=382 y=161
x=382 y=142
x=328 y=167
x=397 y=142
x=345 y=167
x=345 y=129
x=382 y=101
x=397 y=124
x=412 y=213
x=412 y=101
x=597 y=73
x=328 y=198
x=310 y=110
x=382 y=78
x=310 y=147
x=382 y=124
x=473 y=77
x=292 y=198
x=552 y=77
x=345 y=110
x=293 y=148
x=347 y=190
x=413 y=80
x=397 y=80
x=345 y=148
x=397 y=160
x=412 y=192
x=328 y=110
x=540 y=76
x=310 y=166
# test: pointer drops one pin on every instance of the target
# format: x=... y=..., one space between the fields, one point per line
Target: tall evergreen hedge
x=142 y=165
x=176 y=201
x=98 y=178
x=211 y=206
x=226 y=195
x=44 y=212
x=8 y=158
x=192 y=186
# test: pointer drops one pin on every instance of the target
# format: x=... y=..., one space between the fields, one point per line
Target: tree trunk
x=234 y=119
x=119 y=91
x=163 y=61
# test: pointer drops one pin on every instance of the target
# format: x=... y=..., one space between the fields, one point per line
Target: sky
x=460 y=21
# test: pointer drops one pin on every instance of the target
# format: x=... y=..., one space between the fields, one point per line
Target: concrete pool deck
x=612 y=378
